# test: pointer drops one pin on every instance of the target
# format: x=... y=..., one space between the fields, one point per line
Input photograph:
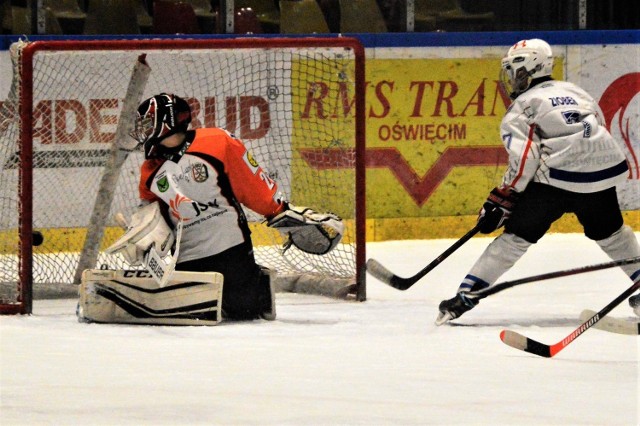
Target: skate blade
x=443 y=317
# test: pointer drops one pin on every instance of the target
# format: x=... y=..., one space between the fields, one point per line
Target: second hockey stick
x=496 y=288
x=613 y=325
x=376 y=269
x=523 y=343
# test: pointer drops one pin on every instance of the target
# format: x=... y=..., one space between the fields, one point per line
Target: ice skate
x=454 y=307
x=634 y=302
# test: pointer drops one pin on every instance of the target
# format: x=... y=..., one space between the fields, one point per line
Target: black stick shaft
x=376 y=269
x=481 y=294
x=523 y=343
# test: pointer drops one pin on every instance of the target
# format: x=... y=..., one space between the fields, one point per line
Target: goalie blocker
x=134 y=297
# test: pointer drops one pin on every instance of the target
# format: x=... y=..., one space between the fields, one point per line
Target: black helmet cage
x=158 y=117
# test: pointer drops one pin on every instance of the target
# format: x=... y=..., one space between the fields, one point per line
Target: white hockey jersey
x=555 y=135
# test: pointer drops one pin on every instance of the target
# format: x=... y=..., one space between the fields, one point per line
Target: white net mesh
x=292 y=106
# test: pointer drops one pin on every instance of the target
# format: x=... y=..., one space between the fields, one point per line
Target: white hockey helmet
x=525 y=60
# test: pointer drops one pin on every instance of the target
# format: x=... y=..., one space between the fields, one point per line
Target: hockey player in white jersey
x=562 y=159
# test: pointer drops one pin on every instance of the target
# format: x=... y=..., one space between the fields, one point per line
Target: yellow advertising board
x=433 y=146
x=323 y=138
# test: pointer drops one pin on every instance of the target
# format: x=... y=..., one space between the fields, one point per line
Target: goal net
x=297 y=103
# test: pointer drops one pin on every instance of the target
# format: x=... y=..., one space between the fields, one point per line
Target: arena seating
x=251 y=16
x=449 y=16
x=361 y=16
x=246 y=22
x=205 y=15
x=331 y=11
x=267 y=12
x=111 y=17
x=68 y=14
x=171 y=17
x=302 y=17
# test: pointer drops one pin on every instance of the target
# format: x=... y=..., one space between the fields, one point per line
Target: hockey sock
x=498 y=258
x=620 y=245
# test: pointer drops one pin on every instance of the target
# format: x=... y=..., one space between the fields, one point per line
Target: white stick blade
x=513 y=339
x=376 y=269
x=611 y=324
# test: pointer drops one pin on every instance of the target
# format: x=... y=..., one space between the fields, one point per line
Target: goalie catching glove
x=308 y=230
x=146 y=229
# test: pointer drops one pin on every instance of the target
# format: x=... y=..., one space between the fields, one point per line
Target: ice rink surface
x=328 y=362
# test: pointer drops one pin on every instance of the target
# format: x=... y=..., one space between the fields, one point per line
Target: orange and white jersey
x=205 y=186
x=554 y=134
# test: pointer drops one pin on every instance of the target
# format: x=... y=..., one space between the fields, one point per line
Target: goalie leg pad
x=133 y=297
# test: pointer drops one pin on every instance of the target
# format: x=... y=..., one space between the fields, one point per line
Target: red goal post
x=297 y=103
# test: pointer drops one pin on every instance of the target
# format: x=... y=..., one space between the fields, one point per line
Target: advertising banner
x=611 y=74
x=433 y=143
x=433 y=115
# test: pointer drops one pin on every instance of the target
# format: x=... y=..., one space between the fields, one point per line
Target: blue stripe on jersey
x=585 y=177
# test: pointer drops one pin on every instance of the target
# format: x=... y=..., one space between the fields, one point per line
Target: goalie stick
x=613 y=325
x=376 y=269
x=481 y=294
x=523 y=343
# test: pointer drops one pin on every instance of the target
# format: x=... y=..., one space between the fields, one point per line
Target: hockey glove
x=308 y=230
x=497 y=209
x=146 y=229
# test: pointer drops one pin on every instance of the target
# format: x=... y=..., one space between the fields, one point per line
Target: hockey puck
x=37 y=238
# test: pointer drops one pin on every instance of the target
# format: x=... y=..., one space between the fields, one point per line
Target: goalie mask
x=158 y=117
x=526 y=60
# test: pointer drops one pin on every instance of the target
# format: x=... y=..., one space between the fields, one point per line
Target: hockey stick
x=613 y=325
x=481 y=294
x=523 y=343
x=376 y=269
